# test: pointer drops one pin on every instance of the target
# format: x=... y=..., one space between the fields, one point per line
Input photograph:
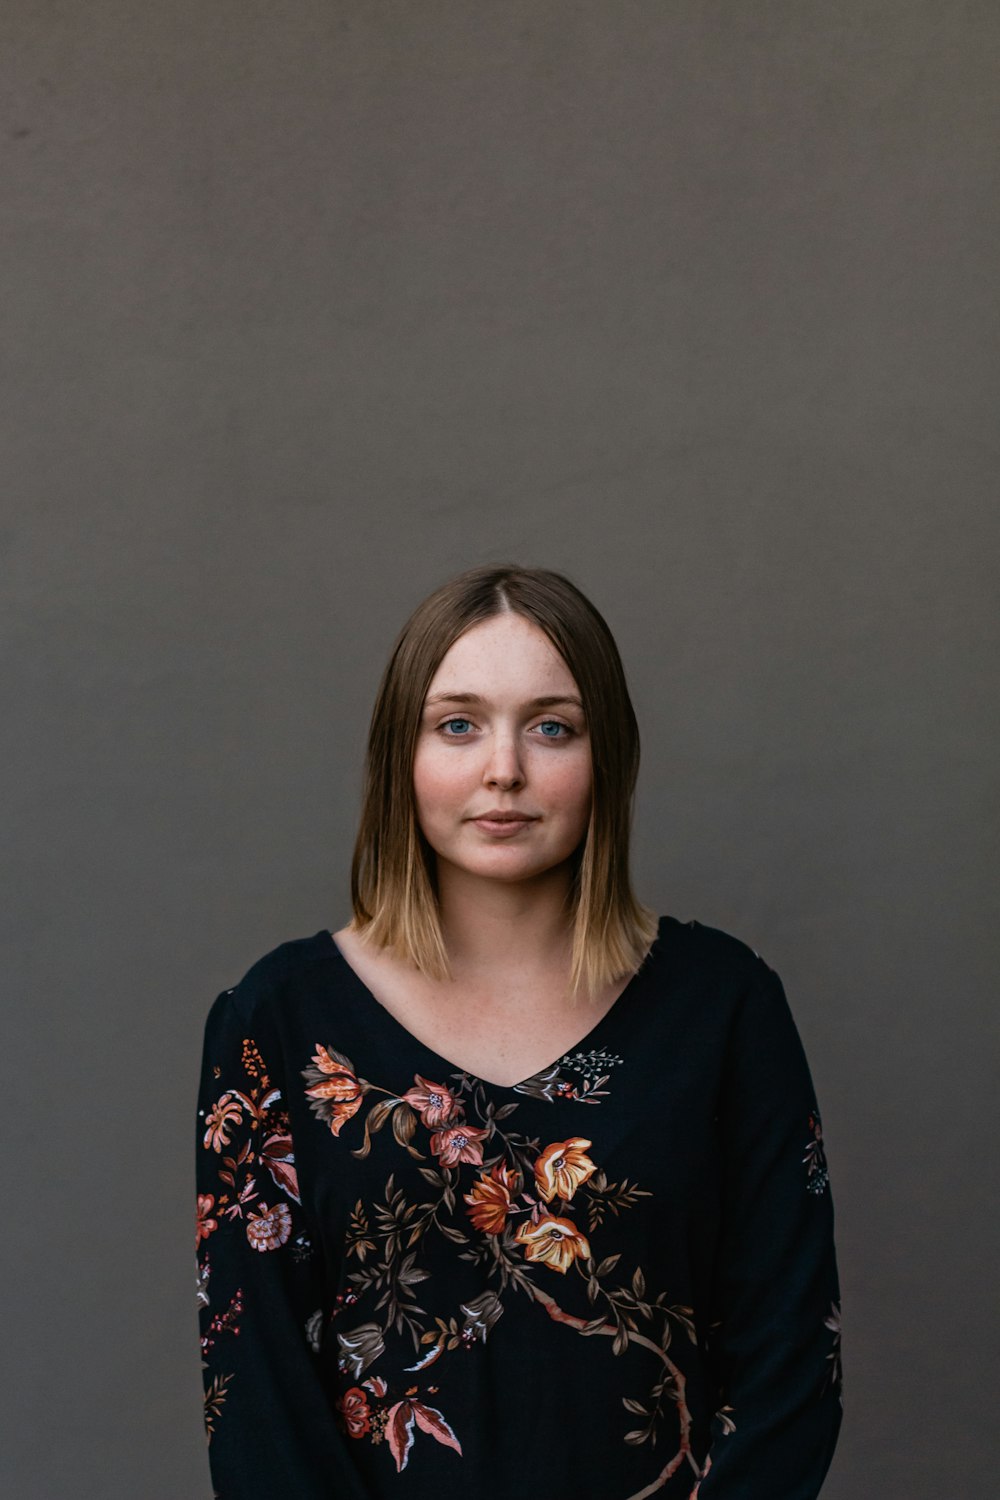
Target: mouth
x=504 y=823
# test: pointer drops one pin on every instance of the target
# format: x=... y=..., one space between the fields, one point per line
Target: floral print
x=553 y=1241
x=270 y=1228
x=836 y=1377
x=446 y=1230
x=815 y=1157
x=334 y=1091
x=562 y=1167
x=458 y=1143
x=491 y=1197
x=393 y=1423
x=204 y=1223
x=523 y=1200
x=223 y=1117
x=434 y=1103
x=253 y=1111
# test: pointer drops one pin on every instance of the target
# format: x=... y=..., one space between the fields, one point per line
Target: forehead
x=502 y=656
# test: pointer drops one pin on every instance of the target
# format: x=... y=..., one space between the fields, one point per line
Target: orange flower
x=270 y=1228
x=204 y=1225
x=554 y=1241
x=434 y=1103
x=458 y=1143
x=336 y=1090
x=330 y=1061
x=222 y=1117
x=355 y=1411
x=490 y=1199
x=561 y=1167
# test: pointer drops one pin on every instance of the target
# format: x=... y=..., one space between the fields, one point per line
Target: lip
x=505 y=825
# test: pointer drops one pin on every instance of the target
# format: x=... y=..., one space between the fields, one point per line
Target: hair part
x=393 y=870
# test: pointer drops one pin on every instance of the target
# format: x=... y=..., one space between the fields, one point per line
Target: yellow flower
x=561 y=1167
x=554 y=1241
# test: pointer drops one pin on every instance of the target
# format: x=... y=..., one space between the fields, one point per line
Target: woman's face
x=485 y=744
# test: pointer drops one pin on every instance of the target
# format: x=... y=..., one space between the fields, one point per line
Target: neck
x=493 y=928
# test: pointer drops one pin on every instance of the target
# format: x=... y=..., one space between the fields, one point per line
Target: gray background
x=307 y=307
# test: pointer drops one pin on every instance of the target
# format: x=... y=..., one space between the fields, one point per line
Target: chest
x=498 y=1041
x=501 y=1045
x=501 y=1038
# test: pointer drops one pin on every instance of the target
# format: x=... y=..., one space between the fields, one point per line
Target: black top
x=611 y=1280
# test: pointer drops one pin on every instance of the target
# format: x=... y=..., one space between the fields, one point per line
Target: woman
x=506 y=1185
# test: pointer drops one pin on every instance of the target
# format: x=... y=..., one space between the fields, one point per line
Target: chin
x=509 y=871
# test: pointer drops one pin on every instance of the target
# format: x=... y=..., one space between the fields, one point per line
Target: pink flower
x=204 y=1225
x=270 y=1228
x=433 y=1102
x=459 y=1143
x=278 y=1156
x=221 y=1119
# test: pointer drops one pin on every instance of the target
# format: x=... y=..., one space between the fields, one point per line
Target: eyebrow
x=547 y=702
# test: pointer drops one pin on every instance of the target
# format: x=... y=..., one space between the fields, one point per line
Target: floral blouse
x=612 y=1280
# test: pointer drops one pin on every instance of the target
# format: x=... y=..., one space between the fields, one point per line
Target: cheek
x=435 y=776
x=568 y=781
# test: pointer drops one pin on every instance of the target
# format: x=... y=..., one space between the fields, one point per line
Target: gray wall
x=308 y=306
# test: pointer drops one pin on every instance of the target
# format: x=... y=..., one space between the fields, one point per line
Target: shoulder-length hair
x=393 y=870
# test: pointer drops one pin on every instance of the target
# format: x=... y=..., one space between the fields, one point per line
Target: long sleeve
x=774 y=1341
x=271 y=1430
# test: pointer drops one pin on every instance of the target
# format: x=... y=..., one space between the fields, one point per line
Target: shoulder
x=265 y=986
x=717 y=956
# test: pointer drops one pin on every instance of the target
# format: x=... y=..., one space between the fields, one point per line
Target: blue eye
x=546 y=725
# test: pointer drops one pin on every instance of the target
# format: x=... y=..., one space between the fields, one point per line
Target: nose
x=503 y=768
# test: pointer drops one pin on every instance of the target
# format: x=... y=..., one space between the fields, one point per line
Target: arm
x=271 y=1429
x=774 y=1344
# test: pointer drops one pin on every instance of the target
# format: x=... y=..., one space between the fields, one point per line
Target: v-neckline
x=613 y=1011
